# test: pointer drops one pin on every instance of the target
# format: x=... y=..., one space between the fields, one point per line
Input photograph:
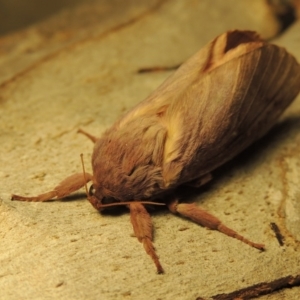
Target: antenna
x=84 y=176
x=130 y=202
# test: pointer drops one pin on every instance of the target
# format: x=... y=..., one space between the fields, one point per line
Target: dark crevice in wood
x=260 y=289
x=279 y=236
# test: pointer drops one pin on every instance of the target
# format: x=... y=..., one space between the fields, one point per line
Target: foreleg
x=65 y=188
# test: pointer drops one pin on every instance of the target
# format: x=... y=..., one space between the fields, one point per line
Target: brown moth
x=216 y=104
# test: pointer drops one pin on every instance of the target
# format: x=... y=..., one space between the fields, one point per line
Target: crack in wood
x=279 y=236
x=260 y=289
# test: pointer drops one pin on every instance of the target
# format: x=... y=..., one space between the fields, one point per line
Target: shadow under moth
x=221 y=100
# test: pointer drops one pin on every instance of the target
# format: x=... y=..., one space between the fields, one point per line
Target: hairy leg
x=204 y=218
x=65 y=188
x=142 y=227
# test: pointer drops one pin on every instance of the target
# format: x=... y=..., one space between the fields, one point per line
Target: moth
x=221 y=100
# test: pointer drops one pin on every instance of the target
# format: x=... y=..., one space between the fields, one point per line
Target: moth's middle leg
x=142 y=227
x=204 y=218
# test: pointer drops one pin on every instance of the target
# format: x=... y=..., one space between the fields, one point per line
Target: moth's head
x=101 y=199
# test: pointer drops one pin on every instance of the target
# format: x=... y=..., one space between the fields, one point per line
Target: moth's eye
x=91 y=190
x=108 y=200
